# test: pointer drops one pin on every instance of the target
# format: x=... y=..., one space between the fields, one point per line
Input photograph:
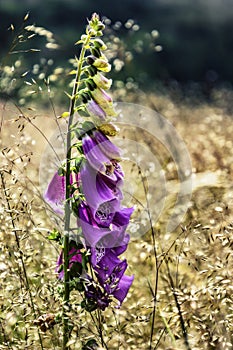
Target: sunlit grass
x=197 y=256
x=194 y=262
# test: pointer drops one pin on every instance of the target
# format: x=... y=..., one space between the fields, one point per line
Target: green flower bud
x=91 y=85
x=99 y=44
x=92 y=71
x=101 y=81
x=100 y=26
x=109 y=129
x=85 y=96
x=95 y=52
x=90 y=59
x=102 y=64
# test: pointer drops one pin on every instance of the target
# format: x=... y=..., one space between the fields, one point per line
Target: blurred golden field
x=193 y=264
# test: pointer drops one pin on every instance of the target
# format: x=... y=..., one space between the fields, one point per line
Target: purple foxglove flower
x=104 y=100
x=95 y=111
x=118 y=227
x=94 y=154
x=91 y=231
x=100 y=190
x=94 y=234
x=98 y=252
x=99 y=151
x=122 y=289
x=110 y=274
x=55 y=193
x=74 y=256
x=107 y=147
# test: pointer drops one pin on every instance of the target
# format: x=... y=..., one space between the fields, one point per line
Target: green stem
x=68 y=209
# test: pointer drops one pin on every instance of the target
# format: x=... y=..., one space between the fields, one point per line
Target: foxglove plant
x=89 y=185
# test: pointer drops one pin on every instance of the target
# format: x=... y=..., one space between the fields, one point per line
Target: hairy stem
x=68 y=209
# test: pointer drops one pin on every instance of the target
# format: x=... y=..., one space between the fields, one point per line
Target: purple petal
x=91 y=231
x=107 y=147
x=94 y=234
x=99 y=252
x=124 y=244
x=122 y=217
x=74 y=255
x=55 y=193
x=94 y=154
x=96 y=190
x=123 y=287
x=110 y=270
x=59 y=269
x=113 y=176
x=95 y=110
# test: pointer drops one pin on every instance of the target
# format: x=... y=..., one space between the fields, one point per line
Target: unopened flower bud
x=104 y=100
x=109 y=129
x=102 y=65
x=85 y=96
x=101 y=81
x=90 y=59
x=100 y=26
x=91 y=85
x=95 y=52
x=95 y=111
x=92 y=32
x=92 y=70
x=100 y=44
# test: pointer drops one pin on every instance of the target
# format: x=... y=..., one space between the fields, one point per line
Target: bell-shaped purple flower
x=98 y=252
x=95 y=111
x=107 y=147
x=122 y=288
x=99 y=151
x=99 y=189
x=55 y=193
x=96 y=234
x=110 y=274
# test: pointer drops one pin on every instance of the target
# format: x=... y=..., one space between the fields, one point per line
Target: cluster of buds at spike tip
x=96 y=182
x=97 y=101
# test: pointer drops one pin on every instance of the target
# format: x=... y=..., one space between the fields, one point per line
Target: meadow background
x=176 y=58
